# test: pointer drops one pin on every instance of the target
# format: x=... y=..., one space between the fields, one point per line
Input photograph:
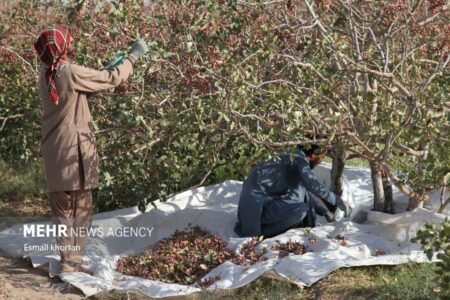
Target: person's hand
x=329 y=216
x=344 y=207
x=138 y=48
x=322 y=211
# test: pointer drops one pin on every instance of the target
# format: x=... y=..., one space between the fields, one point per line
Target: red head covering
x=51 y=46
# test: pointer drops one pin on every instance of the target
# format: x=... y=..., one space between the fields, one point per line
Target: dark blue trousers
x=282 y=214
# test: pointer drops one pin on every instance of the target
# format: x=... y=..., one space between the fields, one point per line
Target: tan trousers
x=74 y=209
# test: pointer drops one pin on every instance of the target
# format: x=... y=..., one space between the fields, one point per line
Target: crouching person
x=276 y=196
x=68 y=143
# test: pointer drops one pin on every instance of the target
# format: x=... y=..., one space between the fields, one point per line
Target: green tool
x=115 y=61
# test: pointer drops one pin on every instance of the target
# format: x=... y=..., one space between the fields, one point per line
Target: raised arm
x=88 y=80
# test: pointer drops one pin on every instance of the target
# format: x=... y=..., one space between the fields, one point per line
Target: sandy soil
x=20 y=281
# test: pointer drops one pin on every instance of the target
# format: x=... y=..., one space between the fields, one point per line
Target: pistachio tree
x=227 y=83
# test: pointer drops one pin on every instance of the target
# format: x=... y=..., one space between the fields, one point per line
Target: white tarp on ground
x=214 y=208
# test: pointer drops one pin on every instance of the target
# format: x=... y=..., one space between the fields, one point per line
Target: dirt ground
x=20 y=281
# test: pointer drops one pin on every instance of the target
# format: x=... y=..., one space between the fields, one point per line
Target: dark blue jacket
x=287 y=176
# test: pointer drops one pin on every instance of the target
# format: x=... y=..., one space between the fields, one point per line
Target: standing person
x=276 y=196
x=68 y=143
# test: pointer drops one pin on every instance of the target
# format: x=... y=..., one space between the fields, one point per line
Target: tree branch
x=408 y=150
x=305 y=65
x=216 y=161
x=8 y=118
x=284 y=144
x=316 y=18
x=146 y=145
x=22 y=59
x=437 y=72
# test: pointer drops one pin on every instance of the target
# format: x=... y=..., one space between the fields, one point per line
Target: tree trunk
x=337 y=170
x=443 y=206
x=443 y=203
x=417 y=201
x=377 y=183
x=388 y=196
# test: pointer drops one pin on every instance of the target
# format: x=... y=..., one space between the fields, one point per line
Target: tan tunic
x=67 y=127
